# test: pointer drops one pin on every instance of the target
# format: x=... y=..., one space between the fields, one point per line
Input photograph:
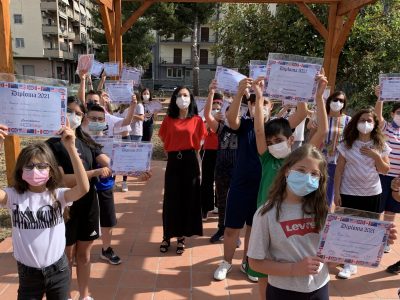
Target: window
x=177 y=56
x=19 y=43
x=17 y=19
x=203 y=56
x=28 y=70
x=205 y=34
x=174 y=72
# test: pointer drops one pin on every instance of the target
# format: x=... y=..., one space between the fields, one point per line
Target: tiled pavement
x=147 y=274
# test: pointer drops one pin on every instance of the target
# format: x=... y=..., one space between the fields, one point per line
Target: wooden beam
x=136 y=15
x=12 y=143
x=117 y=31
x=345 y=6
x=312 y=18
x=331 y=38
x=106 y=3
x=344 y=33
x=108 y=28
x=249 y=1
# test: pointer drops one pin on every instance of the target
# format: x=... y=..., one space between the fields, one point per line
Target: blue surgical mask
x=302 y=184
x=97 y=126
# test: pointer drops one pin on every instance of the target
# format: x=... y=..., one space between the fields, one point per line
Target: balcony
x=178 y=61
x=71 y=35
x=202 y=40
x=70 y=13
x=57 y=53
x=50 y=29
x=48 y=6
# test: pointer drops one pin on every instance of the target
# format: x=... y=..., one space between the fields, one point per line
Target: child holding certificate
x=363 y=155
x=286 y=230
x=36 y=204
x=274 y=144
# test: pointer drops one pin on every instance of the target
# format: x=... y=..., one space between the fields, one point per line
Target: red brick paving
x=147 y=274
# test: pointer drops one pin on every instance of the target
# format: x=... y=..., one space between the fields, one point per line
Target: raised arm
x=379 y=107
x=131 y=110
x=82 y=87
x=82 y=182
x=322 y=117
x=341 y=163
x=258 y=87
x=233 y=114
x=211 y=122
x=299 y=115
x=3 y=134
x=102 y=80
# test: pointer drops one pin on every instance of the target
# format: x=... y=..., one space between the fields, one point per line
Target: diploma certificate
x=131 y=74
x=107 y=142
x=390 y=87
x=228 y=79
x=291 y=80
x=353 y=240
x=119 y=91
x=131 y=159
x=111 y=68
x=96 y=69
x=30 y=109
x=152 y=106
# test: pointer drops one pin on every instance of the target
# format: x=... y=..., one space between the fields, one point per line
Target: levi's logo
x=299 y=227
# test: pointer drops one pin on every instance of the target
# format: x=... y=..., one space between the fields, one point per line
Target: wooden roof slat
x=136 y=15
x=250 y=1
x=312 y=18
x=107 y=3
x=345 y=6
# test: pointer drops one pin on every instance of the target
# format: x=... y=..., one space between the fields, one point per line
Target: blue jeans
x=134 y=138
x=52 y=281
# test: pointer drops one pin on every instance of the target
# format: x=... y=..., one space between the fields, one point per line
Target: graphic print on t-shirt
x=298 y=227
x=47 y=216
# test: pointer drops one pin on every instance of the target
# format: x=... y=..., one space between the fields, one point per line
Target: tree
x=247 y=32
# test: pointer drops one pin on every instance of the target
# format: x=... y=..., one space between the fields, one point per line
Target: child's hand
x=370 y=152
x=67 y=137
x=377 y=91
x=245 y=84
x=395 y=184
x=145 y=176
x=322 y=83
x=82 y=75
x=3 y=132
x=259 y=86
x=213 y=86
x=337 y=200
x=219 y=116
x=134 y=100
x=392 y=234
x=307 y=266
x=103 y=172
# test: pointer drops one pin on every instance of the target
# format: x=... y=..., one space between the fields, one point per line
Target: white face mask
x=74 y=121
x=336 y=106
x=146 y=98
x=365 y=127
x=396 y=119
x=280 y=150
x=183 y=102
x=214 y=112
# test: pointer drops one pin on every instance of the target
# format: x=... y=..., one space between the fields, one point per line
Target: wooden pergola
x=342 y=14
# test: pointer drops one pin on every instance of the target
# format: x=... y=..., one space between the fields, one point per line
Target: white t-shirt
x=119 y=130
x=38 y=229
x=299 y=132
x=114 y=125
x=290 y=239
x=360 y=177
x=137 y=126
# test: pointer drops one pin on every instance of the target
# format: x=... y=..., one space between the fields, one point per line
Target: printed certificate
x=131 y=159
x=97 y=68
x=353 y=240
x=111 y=68
x=291 y=80
x=152 y=106
x=228 y=79
x=85 y=62
x=131 y=74
x=257 y=71
x=30 y=109
x=390 y=87
x=120 y=91
x=107 y=142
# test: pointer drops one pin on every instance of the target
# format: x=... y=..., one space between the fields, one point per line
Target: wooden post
x=12 y=143
x=118 y=32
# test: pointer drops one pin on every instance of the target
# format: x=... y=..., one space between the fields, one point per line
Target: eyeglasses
x=96 y=119
x=338 y=99
x=39 y=166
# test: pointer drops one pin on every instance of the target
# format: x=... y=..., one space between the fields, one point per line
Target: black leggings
x=274 y=293
x=207 y=180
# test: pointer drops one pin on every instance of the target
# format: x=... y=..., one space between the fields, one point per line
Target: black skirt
x=182 y=203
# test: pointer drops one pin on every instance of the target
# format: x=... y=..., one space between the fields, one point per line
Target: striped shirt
x=334 y=137
x=360 y=177
x=392 y=133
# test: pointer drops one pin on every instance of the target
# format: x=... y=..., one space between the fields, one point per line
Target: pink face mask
x=35 y=177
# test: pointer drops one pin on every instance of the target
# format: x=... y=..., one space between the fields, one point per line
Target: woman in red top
x=209 y=159
x=182 y=132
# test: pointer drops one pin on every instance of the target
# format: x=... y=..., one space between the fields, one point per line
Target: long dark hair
x=173 y=109
x=42 y=152
x=146 y=89
x=351 y=133
x=334 y=96
x=83 y=136
x=314 y=203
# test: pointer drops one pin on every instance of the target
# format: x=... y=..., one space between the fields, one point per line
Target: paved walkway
x=147 y=274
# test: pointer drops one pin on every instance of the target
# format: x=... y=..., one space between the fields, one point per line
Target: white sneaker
x=124 y=186
x=223 y=269
x=243 y=268
x=215 y=211
x=347 y=271
x=387 y=249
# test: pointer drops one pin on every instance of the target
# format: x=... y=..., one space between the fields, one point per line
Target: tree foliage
x=251 y=32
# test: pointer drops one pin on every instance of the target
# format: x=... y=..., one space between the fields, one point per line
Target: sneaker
x=394 y=269
x=215 y=211
x=218 y=236
x=124 y=186
x=347 y=271
x=387 y=249
x=205 y=216
x=110 y=256
x=244 y=267
x=238 y=243
x=223 y=269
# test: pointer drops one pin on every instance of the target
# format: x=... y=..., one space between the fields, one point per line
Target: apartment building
x=48 y=36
